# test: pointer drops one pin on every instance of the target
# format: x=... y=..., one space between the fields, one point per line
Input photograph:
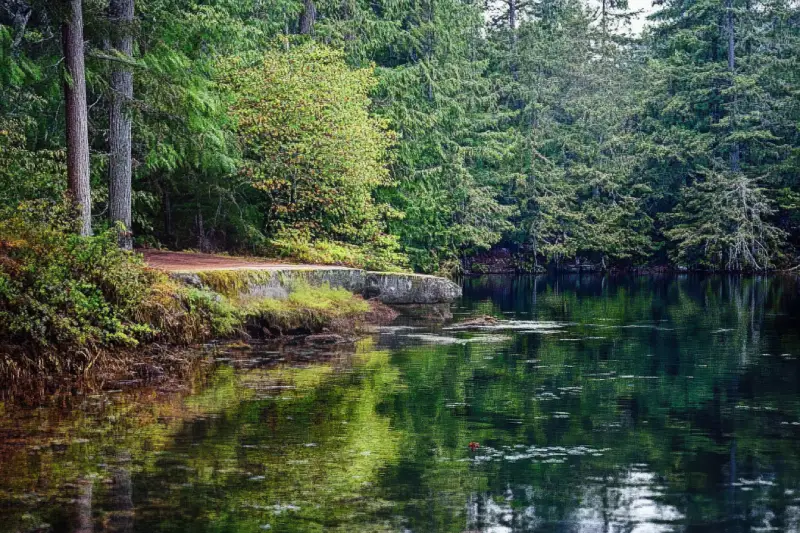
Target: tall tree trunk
x=120 y=15
x=735 y=150
x=604 y=28
x=20 y=18
x=512 y=27
x=120 y=519
x=512 y=22
x=77 y=115
x=83 y=521
x=307 y=17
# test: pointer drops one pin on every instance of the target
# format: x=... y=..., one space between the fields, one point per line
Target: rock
x=325 y=338
x=426 y=312
x=386 y=287
x=188 y=278
x=478 y=322
x=380 y=313
x=406 y=289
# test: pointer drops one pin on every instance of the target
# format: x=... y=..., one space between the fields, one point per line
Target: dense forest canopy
x=415 y=133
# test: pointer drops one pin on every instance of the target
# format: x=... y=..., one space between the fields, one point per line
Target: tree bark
x=77 y=115
x=307 y=17
x=735 y=150
x=512 y=28
x=20 y=13
x=120 y=15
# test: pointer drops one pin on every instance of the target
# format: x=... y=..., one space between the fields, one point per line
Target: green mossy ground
x=306 y=310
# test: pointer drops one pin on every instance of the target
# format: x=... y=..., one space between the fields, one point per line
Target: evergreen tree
x=711 y=63
x=120 y=16
x=538 y=125
x=77 y=112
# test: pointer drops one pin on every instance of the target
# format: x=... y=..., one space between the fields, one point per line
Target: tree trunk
x=512 y=27
x=604 y=30
x=307 y=17
x=735 y=151
x=77 y=115
x=512 y=21
x=120 y=15
x=83 y=521
x=120 y=519
x=20 y=19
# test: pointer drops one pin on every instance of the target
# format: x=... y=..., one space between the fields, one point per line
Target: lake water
x=635 y=404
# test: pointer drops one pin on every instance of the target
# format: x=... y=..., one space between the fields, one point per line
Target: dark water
x=598 y=404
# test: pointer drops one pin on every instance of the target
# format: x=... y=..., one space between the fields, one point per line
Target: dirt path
x=196 y=262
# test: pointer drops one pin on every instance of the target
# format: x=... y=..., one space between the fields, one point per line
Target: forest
x=408 y=134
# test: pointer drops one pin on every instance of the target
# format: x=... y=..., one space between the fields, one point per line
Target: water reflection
x=594 y=404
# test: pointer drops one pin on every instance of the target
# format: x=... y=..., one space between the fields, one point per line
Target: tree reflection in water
x=645 y=404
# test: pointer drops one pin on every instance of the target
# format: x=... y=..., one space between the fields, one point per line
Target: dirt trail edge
x=197 y=262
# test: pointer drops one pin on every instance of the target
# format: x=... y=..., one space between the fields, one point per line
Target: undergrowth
x=383 y=255
x=67 y=301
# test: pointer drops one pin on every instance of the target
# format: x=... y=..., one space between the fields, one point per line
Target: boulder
x=389 y=288
x=405 y=289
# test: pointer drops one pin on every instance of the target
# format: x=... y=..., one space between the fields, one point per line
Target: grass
x=307 y=310
x=232 y=283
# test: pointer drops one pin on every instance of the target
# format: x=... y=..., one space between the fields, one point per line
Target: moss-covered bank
x=69 y=304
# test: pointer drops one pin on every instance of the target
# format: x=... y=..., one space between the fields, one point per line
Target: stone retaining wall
x=387 y=287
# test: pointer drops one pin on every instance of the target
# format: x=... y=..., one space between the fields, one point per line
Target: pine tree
x=711 y=60
x=77 y=114
x=120 y=15
x=567 y=97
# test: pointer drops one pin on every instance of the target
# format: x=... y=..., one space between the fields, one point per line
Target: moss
x=307 y=310
x=232 y=283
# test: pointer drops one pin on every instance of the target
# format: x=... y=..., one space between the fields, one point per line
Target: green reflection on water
x=657 y=404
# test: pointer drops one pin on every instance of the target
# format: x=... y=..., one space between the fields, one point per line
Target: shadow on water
x=593 y=404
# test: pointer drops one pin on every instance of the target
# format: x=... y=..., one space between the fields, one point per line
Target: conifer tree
x=77 y=113
x=714 y=122
x=120 y=15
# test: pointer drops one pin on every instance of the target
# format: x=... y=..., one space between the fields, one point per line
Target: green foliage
x=451 y=159
x=59 y=289
x=717 y=103
x=64 y=299
x=405 y=133
x=722 y=224
x=381 y=255
x=310 y=144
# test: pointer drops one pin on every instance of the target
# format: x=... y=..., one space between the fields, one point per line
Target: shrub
x=65 y=299
x=59 y=289
x=311 y=146
x=383 y=254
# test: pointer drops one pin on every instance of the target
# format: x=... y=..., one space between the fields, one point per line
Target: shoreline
x=182 y=309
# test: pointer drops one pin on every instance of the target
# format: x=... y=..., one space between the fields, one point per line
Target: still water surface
x=597 y=404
